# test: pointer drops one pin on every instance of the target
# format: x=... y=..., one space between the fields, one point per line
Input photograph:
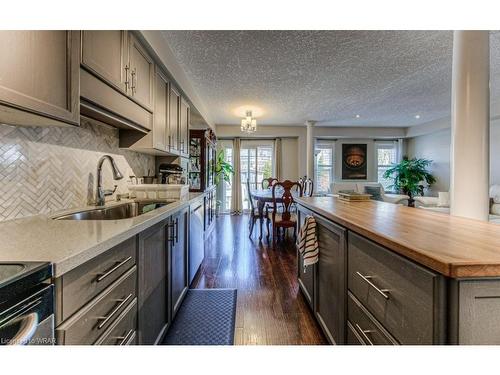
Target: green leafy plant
x=223 y=168
x=408 y=175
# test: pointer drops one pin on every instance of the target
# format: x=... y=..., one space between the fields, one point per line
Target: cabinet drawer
x=364 y=327
x=353 y=337
x=85 y=282
x=403 y=296
x=84 y=327
x=123 y=331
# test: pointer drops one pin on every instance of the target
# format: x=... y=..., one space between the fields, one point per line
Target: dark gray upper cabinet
x=179 y=258
x=141 y=73
x=184 y=120
x=105 y=54
x=153 y=280
x=39 y=77
x=173 y=123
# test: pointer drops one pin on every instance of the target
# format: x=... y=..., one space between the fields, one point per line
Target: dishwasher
x=196 y=243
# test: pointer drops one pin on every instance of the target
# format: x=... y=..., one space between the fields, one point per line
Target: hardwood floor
x=270 y=310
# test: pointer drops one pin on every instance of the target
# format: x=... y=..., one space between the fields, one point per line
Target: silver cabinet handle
x=107 y=318
x=133 y=74
x=383 y=292
x=176 y=230
x=364 y=333
x=127 y=83
x=171 y=232
x=113 y=269
x=125 y=340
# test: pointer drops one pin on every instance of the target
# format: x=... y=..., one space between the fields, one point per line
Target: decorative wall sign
x=354 y=161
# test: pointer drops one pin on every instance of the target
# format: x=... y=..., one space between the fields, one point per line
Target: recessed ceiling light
x=358 y=116
x=417 y=116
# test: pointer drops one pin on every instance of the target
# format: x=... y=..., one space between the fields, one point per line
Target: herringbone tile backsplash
x=43 y=170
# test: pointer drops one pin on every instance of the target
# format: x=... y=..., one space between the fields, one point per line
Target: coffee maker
x=170 y=174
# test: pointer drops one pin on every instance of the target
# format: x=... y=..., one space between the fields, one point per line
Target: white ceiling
x=288 y=77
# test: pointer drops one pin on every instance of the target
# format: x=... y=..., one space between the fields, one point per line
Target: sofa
x=359 y=187
x=441 y=203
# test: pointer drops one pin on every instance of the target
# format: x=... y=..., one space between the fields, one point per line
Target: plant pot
x=411 y=202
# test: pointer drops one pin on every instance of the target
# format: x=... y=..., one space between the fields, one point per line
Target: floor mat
x=206 y=317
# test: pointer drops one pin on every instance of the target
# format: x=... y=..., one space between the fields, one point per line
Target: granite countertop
x=70 y=243
x=453 y=246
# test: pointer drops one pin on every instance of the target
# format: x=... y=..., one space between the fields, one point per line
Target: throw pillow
x=495 y=209
x=443 y=199
x=375 y=192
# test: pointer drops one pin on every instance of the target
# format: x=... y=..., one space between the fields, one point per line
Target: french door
x=256 y=164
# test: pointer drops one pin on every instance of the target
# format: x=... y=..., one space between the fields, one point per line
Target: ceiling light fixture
x=417 y=116
x=248 y=123
x=358 y=116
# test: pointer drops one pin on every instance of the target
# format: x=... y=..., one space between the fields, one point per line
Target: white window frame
x=324 y=144
x=388 y=145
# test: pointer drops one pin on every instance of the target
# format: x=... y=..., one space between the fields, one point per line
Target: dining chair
x=270 y=182
x=283 y=215
x=254 y=213
x=308 y=188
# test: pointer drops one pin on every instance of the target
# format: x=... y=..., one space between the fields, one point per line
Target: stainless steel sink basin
x=122 y=211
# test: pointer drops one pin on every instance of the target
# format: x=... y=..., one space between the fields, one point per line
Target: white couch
x=359 y=187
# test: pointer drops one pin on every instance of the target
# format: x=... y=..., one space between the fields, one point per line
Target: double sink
x=118 y=212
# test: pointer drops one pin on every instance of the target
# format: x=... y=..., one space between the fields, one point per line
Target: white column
x=470 y=117
x=310 y=149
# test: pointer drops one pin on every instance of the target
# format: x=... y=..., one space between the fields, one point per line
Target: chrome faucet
x=101 y=193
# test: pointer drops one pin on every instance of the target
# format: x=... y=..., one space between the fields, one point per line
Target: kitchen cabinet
x=153 y=280
x=331 y=281
x=324 y=283
x=173 y=123
x=141 y=73
x=105 y=54
x=179 y=258
x=184 y=128
x=196 y=243
x=117 y=80
x=39 y=77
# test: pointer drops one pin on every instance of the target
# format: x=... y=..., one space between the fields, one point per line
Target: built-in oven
x=27 y=307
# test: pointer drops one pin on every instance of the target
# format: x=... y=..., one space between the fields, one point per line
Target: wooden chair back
x=267 y=183
x=308 y=188
x=250 y=200
x=286 y=196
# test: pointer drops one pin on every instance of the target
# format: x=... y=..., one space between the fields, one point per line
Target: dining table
x=264 y=196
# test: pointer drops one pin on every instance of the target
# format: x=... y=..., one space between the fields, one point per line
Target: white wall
x=290 y=159
x=436 y=146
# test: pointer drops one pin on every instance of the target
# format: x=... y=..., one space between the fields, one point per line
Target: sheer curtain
x=236 y=201
x=277 y=159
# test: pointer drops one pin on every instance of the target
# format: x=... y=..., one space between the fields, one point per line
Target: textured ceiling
x=288 y=77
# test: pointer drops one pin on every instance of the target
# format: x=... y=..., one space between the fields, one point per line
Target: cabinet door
x=173 y=124
x=306 y=276
x=160 y=112
x=104 y=53
x=39 y=74
x=179 y=270
x=331 y=280
x=153 y=284
x=184 y=128
x=141 y=74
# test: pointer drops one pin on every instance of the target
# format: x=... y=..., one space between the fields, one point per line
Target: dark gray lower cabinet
x=306 y=276
x=179 y=258
x=154 y=309
x=331 y=285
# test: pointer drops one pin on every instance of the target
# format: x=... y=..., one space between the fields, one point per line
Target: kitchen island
x=389 y=274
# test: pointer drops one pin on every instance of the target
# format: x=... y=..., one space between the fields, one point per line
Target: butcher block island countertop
x=453 y=246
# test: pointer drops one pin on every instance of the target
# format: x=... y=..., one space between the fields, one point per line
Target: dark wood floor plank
x=270 y=309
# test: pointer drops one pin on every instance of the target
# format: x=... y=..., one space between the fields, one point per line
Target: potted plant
x=223 y=170
x=408 y=176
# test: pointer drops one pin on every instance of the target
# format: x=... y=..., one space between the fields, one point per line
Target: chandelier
x=248 y=124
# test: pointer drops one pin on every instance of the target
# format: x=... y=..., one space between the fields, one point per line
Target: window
x=226 y=186
x=324 y=168
x=386 y=156
x=256 y=164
